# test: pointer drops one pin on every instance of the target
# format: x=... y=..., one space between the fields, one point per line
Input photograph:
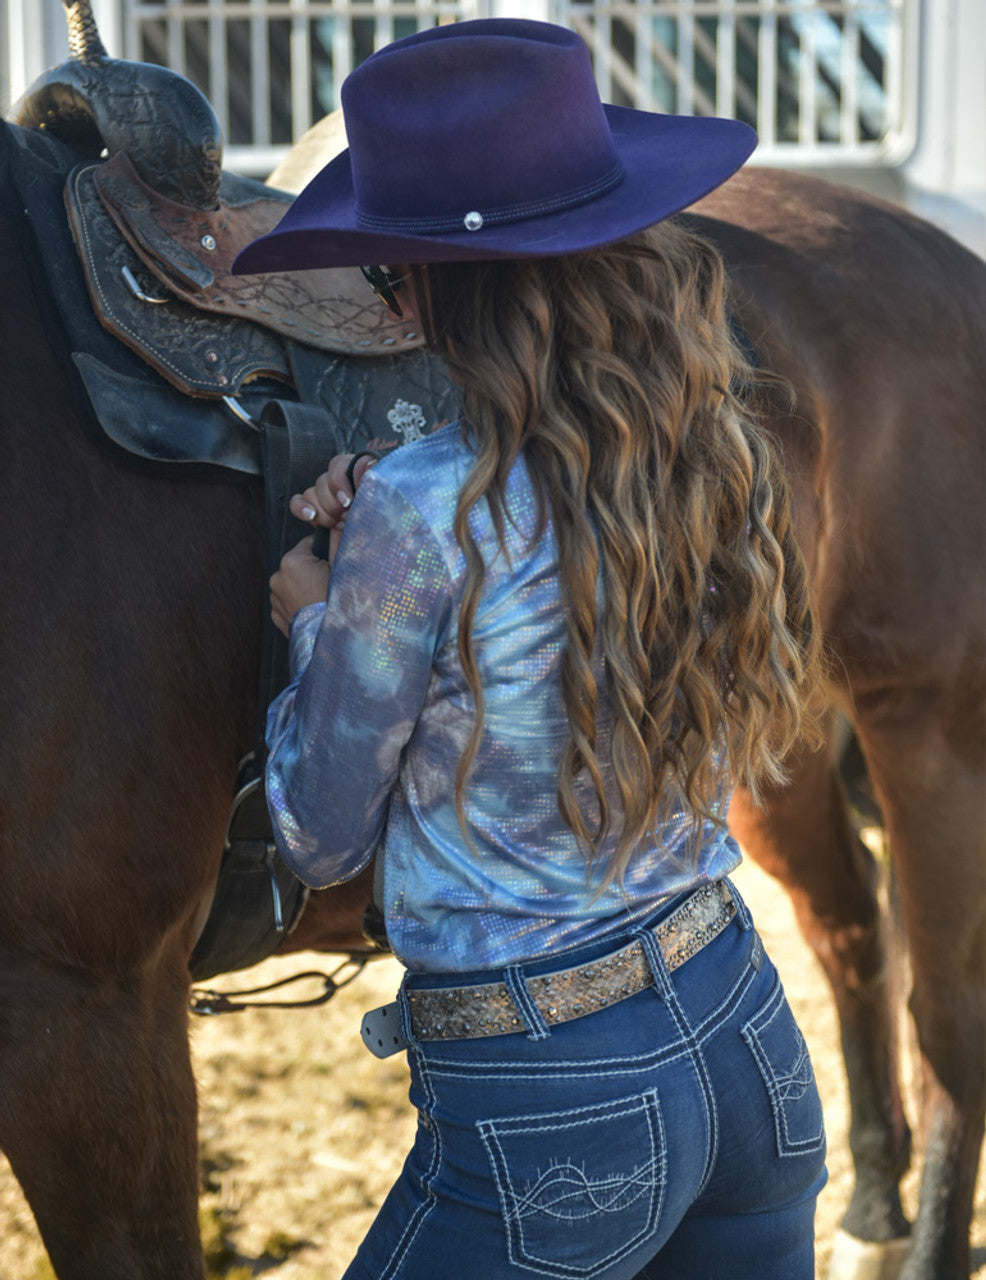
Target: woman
x=557 y=632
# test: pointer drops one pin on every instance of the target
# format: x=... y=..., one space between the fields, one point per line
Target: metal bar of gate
x=424 y=11
x=218 y=66
x=725 y=61
x=175 y=26
x=767 y=74
x=807 y=81
x=893 y=74
x=301 y=68
x=686 y=61
x=849 y=116
x=260 y=106
x=342 y=52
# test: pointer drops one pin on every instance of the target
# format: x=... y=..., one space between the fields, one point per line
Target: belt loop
x=655 y=961
x=404 y=1011
x=743 y=917
x=516 y=983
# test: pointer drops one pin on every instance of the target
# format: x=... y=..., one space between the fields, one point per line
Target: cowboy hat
x=487 y=139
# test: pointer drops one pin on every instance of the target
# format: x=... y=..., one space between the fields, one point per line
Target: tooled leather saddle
x=264 y=376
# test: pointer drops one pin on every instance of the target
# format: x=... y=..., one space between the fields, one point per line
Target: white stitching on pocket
x=579 y=1189
x=780 y=1052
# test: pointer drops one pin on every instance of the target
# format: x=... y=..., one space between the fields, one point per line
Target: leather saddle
x=155 y=225
x=158 y=274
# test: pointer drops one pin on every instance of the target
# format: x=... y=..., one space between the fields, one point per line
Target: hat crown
x=498 y=118
x=484 y=140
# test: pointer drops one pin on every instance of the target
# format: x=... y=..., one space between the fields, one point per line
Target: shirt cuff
x=301 y=641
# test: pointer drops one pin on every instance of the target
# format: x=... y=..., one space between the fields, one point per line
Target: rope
x=84 y=44
x=207 y=1003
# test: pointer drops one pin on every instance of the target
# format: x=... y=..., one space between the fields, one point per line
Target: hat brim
x=669 y=162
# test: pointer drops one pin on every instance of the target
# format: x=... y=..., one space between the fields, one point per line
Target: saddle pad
x=191 y=251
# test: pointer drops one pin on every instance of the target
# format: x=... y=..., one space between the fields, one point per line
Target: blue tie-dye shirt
x=365 y=741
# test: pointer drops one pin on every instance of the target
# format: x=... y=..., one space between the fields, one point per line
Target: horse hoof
x=854 y=1259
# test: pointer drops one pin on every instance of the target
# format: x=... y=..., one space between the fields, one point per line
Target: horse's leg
x=925 y=752
x=804 y=836
x=98 y=1116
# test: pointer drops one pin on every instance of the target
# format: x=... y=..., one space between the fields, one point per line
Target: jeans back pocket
x=780 y=1052
x=579 y=1189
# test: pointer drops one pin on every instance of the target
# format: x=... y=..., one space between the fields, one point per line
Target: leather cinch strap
x=465 y=1013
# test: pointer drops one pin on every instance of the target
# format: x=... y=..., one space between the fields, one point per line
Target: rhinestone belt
x=465 y=1013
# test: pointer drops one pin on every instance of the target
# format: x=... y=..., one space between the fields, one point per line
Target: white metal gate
x=824 y=82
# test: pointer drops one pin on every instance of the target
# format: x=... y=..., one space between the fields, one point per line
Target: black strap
x=298 y=442
x=256 y=898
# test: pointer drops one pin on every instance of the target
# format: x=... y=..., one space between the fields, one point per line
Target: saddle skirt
x=158 y=274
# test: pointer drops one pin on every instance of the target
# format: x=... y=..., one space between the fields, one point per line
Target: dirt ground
x=302 y=1131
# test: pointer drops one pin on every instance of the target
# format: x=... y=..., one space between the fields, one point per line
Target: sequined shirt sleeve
x=360 y=669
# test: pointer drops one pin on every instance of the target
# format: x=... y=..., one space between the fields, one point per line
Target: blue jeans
x=675 y=1134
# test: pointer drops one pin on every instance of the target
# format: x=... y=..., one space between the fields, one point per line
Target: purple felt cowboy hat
x=487 y=139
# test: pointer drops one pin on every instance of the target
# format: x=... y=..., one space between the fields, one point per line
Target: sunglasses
x=384 y=283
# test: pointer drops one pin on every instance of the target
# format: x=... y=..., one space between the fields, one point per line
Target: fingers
x=322 y=503
x=296 y=557
x=301 y=579
x=326 y=502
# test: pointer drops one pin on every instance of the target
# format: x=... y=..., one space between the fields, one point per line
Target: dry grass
x=302 y=1131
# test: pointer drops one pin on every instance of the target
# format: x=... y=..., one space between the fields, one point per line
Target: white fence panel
x=824 y=82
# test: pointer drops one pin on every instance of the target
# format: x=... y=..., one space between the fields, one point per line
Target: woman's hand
x=326 y=502
x=302 y=579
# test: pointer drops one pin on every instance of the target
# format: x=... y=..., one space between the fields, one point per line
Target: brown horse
x=879 y=320
x=130 y=640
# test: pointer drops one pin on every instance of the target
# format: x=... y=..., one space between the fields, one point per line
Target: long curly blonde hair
x=616 y=374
